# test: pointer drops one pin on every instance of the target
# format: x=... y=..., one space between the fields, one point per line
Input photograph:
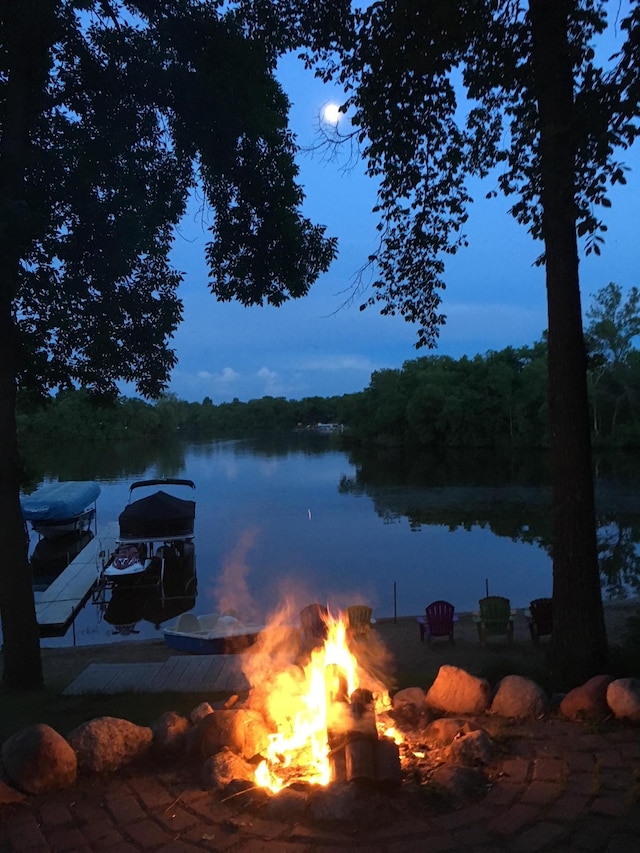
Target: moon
x=331 y=113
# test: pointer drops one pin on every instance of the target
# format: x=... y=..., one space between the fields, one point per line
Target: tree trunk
x=29 y=29
x=22 y=666
x=579 y=644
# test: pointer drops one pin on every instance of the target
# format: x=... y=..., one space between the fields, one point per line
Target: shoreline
x=399 y=641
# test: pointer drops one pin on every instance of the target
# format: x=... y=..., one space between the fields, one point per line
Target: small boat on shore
x=156 y=537
x=210 y=635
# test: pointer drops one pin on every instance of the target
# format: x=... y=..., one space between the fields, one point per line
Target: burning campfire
x=318 y=735
x=328 y=714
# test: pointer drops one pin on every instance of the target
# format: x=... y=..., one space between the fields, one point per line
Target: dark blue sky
x=319 y=345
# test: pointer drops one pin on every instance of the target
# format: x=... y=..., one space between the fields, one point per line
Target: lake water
x=297 y=516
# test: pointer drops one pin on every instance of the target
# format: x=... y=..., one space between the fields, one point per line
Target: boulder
x=108 y=743
x=409 y=696
x=623 y=697
x=169 y=731
x=200 y=712
x=221 y=769
x=588 y=701
x=408 y=706
x=472 y=749
x=442 y=731
x=37 y=759
x=456 y=692
x=244 y=731
x=519 y=697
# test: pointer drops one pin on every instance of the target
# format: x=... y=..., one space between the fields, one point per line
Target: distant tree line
x=494 y=400
x=77 y=414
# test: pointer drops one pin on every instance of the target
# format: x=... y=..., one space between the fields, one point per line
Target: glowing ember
x=395 y=735
x=306 y=709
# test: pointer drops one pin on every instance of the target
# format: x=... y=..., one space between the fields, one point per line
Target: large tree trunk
x=29 y=28
x=22 y=666
x=579 y=644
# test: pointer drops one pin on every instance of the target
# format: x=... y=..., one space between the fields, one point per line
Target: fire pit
x=318 y=733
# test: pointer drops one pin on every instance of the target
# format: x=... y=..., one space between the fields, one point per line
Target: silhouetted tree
x=545 y=120
x=111 y=111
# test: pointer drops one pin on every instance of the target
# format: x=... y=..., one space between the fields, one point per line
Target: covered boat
x=61 y=514
x=56 y=509
x=156 y=536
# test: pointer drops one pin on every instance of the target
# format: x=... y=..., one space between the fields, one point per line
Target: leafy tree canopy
x=141 y=101
x=439 y=93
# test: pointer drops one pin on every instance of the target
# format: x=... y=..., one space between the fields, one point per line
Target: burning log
x=351 y=729
x=359 y=754
x=338 y=764
x=363 y=715
x=388 y=770
x=325 y=725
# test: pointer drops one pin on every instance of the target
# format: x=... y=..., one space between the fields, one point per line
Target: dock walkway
x=59 y=604
x=178 y=674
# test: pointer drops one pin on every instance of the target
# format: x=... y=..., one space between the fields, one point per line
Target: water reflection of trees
x=508 y=494
x=89 y=460
x=618 y=556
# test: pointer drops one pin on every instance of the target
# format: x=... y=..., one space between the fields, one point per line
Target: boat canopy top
x=160 y=516
x=59 y=501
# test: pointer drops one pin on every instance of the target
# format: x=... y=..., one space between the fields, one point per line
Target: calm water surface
x=296 y=515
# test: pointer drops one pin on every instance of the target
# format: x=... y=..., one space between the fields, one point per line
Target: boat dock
x=60 y=603
x=178 y=674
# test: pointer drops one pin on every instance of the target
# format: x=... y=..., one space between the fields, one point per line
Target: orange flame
x=303 y=715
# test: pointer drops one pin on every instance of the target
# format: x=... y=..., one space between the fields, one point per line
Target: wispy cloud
x=333 y=362
x=225 y=377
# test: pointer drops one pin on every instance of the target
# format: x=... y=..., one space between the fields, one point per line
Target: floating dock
x=60 y=603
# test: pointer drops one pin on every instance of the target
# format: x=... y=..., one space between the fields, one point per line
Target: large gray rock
x=244 y=731
x=588 y=701
x=108 y=743
x=472 y=749
x=623 y=697
x=169 y=732
x=443 y=731
x=456 y=692
x=409 y=706
x=409 y=696
x=519 y=697
x=37 y=759
x=221 y=769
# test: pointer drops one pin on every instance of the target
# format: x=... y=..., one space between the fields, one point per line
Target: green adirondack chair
x=495 y=618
